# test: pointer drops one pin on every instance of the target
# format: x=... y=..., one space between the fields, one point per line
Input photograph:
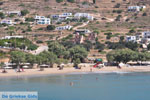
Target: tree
x=121 y=38
x=30 y=58
x=99 y=46
x=17 y=57
x=122 y=55
x=132 y=45
x=148 y=46
x=24 y=12
x=57 y=48
x=78 y=52
x=144 y=14
x=76 y=62
x=94 y=1
x=71 y=1
x=88 y=45
x=59 y=1
x=50 y=27
x=2 y=15
x=46 y=57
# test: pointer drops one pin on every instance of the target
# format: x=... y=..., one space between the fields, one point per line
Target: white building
x=42 y=20
x=62 y=15
x=84 y=31
x=86 y=15
x=10 y=37
x=67 y=27
x=146 y=37
x=9 y=22
x=130 y=38
x=136 y=8
x=67 y=14
x=14 y=12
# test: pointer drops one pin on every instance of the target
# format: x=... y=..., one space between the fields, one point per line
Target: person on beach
x=91 y=69
x=22 y=69
x=71 y=83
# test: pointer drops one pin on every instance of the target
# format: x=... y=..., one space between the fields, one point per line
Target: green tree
x=122 y=55
x=121 y=38
x=71 y=1
x=50 y=27
x=17 y=57
x=59 y=1
x=2 y=15
x=148 y=47
x=88 y=45
x=57 y=48
x=24 y=12
x=94 y=1
x=47 y=57
x=99 y=46
x=76 y=62
x=78 y=52
x=30 y=58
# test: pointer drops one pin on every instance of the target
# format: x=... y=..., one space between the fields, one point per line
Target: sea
x=83 y=86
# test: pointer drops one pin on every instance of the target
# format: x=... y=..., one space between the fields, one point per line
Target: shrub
x=2 y=15
x=144 y=14
x=24 y=12
x=29 y=19
x=71 y=1
x=59 y=1
x=50 y=27
x=117 y=5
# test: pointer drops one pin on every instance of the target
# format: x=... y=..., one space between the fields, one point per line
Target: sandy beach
x=48 y=71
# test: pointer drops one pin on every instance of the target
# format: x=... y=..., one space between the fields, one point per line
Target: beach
x=48 y=71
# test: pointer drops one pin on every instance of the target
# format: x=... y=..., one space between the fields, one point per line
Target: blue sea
x=83 y=86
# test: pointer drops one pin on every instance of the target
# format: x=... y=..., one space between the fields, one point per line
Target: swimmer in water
x=71 y=83
x=96 y=78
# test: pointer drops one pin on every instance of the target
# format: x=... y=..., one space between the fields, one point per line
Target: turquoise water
x=110 y=86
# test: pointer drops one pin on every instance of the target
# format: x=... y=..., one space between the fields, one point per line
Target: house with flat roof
x=10 y=37
x=42 y=20
x=146 y=37
x=85 y=15
x=136 y=8
x=14 y=13
x=6 y=21
x=82 y=31
x=67 y=27
x=62 y=17
x=130 y=38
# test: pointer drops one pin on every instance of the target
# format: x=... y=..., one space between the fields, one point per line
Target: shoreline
x=87 y=70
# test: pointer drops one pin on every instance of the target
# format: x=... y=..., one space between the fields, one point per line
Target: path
x=39 y=49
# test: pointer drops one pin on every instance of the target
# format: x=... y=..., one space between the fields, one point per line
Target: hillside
x=111 y=16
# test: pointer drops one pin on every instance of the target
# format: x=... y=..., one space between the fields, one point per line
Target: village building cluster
x=141 y=38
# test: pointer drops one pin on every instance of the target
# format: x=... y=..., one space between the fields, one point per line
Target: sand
x=49 y=71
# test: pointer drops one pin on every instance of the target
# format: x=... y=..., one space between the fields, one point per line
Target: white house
x=10 y=37
x=67 y=27
x=67 y=14
x=9 y=22
x=55 y=16
x=42 y=20
x=130 y=38
x=136 y=8
x=146 y=36
x=14 y=12
x=62 y=15
x=84 y=31
x=86 y=15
